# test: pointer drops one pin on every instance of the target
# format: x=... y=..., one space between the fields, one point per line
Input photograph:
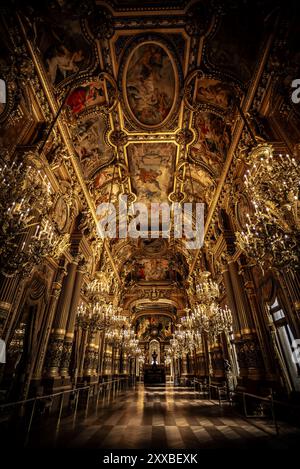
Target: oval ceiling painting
x=150 y=84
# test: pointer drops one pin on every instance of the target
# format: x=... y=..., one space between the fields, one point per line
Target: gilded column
x=83 y=338
x=56 y=342
x=217 y=362
x=248 y=349
x=7 y=291
x=91 y=357
x=117 y=363
x=290 y=285
x=49 y=316
x=96 y=353
x=69 y=336
x=236 y=326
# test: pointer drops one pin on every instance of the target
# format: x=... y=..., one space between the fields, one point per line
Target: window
x=2 y=91
x=285 y=339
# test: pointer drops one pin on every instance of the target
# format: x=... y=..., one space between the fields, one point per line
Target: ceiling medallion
x=184 y=136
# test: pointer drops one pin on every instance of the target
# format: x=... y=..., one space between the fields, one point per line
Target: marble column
x=264 y=360
x=101 y=352
x=243 y=309
x=236 y=325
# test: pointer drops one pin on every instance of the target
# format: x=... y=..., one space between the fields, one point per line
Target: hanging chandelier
x=272 y=232
x=123 y=336
x=206 y=290
x=103 y=281
x=93 y=316
x=184 y=341
x=27 y=232
x=205 y=316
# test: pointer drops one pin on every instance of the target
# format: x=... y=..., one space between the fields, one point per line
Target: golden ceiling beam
x=67 y=141
x=236 y=137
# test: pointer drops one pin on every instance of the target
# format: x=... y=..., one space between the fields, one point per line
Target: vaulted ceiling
x=150 y=107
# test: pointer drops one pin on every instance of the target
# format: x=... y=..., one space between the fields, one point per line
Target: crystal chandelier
x=168 y=357
x=103 y=281
x=123 y=337
x=133 y=348
x=94 y=316
x=207 y=290
x=117 y=330
x=272 y=232
x=27 y=233
x=209 y=318
x=205 y=316
x=183 y=341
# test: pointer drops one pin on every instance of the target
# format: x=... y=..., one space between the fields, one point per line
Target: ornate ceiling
x=149 y=92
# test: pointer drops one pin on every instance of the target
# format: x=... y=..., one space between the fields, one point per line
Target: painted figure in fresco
x=141 y=272
x=213 y=141
x=155 y=269
x=60 y=59
x=151 y=165
x=149 y=92
x=85 y=96
x=90 y=144
x=102 y=177
x=215 y=92
x=149 y=175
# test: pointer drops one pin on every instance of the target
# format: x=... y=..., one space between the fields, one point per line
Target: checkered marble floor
x=165 y=417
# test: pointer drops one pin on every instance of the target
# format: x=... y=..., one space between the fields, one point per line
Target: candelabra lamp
x=206 y=290
x=27 y=232
x=271 y=236
x=93 y=316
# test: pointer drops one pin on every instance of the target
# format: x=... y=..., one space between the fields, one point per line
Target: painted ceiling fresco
x=199 y=185
x=152 y=89
x=212 y=142
x=150 y=84
x=215 y=92
x=90 y=145
x=151 y=167
x=169 y=267
x=153 y=325
x=59 y=39
x=89 y=94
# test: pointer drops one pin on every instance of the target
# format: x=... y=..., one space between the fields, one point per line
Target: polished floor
x=164 y=417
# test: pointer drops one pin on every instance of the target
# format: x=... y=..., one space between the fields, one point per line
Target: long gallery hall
x=150 y=231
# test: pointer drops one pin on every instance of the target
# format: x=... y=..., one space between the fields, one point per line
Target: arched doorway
x=154 y=347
